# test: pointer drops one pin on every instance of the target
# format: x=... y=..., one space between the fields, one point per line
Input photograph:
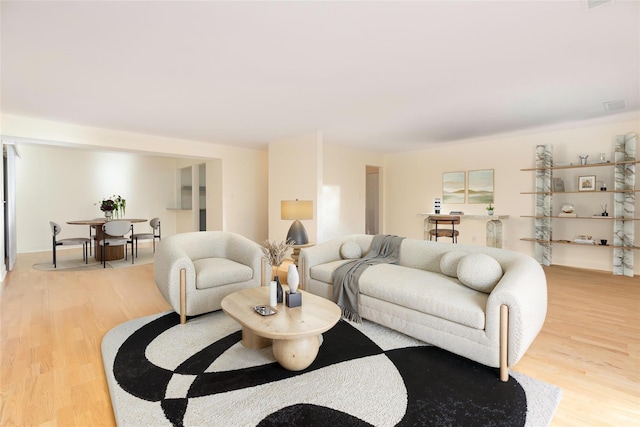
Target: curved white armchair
x=195 y=271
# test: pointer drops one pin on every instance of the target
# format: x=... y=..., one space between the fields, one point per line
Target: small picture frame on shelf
x=557 y=185
x=587 y=183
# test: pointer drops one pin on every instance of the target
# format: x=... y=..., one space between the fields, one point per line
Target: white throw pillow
x=449 y=262
x=350 y=250
x=480 y=272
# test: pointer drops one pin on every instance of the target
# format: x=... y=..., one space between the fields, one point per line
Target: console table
x=494 y=226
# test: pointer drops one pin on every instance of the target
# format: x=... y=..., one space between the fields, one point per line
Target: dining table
x=113 y=252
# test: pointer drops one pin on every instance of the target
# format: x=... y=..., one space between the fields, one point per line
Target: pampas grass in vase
x=274 y=252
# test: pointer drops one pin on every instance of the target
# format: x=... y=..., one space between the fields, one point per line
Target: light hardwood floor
x=52 y=323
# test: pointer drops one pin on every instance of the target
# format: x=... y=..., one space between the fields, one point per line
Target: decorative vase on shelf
x=108 y=215
x=293 y=279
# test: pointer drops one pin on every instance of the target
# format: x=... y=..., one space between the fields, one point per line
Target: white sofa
x=194 y=271
x=494 y=327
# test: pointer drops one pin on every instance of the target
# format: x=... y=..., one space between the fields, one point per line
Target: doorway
x=372 y=203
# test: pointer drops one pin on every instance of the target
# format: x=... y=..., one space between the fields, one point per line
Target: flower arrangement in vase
x=274 y=252
x=113 y=206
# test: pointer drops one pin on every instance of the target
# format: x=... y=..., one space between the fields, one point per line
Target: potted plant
x=113 y=206
x=490 y=209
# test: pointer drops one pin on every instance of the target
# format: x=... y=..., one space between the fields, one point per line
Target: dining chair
x=70 y=241
x=156 y=234
x=438 y=231
x=115 y=234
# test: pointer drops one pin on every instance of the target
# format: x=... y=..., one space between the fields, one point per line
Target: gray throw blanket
x=384 y=249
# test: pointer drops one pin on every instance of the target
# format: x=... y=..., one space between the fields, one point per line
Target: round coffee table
x=294 y=332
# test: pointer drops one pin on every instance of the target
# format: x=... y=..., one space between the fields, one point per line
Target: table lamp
x=297 y=210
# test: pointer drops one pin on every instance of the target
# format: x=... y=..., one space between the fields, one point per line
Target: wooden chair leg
x=504 y=343
x=183 y=296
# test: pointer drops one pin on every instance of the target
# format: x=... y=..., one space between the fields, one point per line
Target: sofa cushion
x=324 y=272
x=212 y=272
x=426 y=292
x=449 y=262
x=350 y=250
x=480 y=272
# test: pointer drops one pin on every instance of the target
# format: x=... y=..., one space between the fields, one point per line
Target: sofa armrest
x=316 y=255
x=169 y=259
x=523 y=289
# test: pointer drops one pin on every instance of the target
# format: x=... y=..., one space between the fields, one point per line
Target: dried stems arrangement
x=274 y=252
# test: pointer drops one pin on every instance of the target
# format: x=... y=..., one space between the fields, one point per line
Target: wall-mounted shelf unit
x=568 y=242
x=588 y=165
x=601 y=218
x=623 y=194
x=578 y=192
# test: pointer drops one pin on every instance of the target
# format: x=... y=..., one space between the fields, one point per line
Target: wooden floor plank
x=52 y=324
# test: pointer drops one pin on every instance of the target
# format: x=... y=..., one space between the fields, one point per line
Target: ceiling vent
x=616 y=105
x=592 y=4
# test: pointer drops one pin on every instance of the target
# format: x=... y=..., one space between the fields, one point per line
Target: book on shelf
x=568 y=215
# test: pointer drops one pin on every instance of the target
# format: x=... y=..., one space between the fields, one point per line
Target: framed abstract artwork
x=481 y=186
x=453 y=187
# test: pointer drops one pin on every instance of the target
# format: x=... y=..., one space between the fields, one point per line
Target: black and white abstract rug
x=162 y=373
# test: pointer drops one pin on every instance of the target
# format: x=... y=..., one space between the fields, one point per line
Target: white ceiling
x=382 y=75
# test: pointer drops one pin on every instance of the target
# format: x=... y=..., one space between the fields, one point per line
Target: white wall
x=215 y=208
x=244 y=188
x=344 y=189
x=413 y=179
x=333 y=176
x=294 y=173
x=62 y=184
x=245 y=194
x=3 y=268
